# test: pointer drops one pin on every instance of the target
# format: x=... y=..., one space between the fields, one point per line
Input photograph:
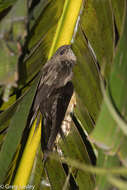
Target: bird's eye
x=62 y=52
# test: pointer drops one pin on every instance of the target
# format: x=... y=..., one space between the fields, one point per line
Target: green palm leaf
x=51 y=24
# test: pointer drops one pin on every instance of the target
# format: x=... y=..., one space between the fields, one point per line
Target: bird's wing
x=39 y=92
x=54 y=75
x=56 y=108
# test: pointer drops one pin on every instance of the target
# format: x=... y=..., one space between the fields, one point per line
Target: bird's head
x=65 y=54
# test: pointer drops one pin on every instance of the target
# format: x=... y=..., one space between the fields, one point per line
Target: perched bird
x=53 y=94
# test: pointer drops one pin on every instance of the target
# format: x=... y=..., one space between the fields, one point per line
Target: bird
x=53 y=95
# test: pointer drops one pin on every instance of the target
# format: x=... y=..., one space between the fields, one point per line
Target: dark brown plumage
x=54 y=93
